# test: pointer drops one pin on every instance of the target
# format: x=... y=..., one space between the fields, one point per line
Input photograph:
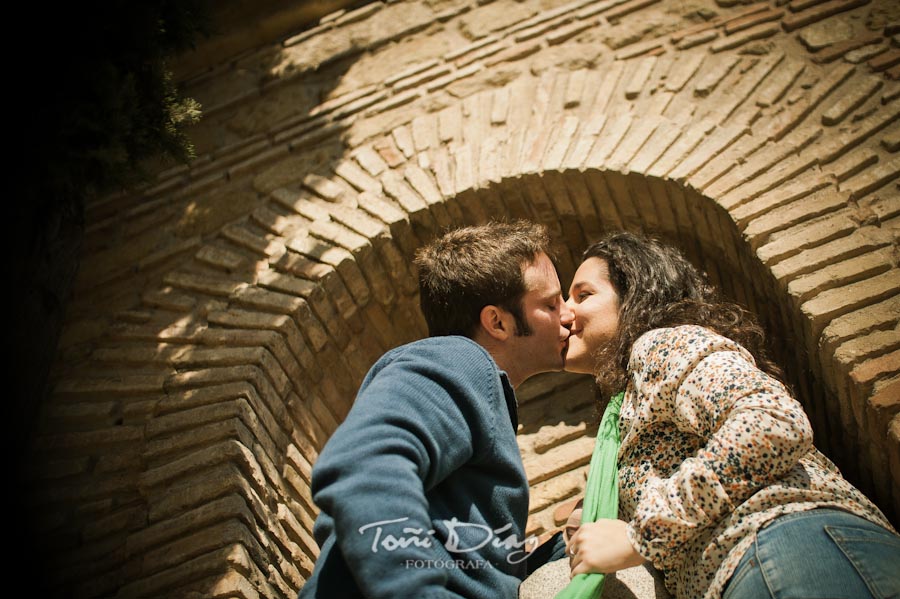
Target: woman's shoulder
x=684 y=345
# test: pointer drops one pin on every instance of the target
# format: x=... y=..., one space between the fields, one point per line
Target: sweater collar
x=512 y=405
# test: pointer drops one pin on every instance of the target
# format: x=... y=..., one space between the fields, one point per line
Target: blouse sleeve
x=753 y=432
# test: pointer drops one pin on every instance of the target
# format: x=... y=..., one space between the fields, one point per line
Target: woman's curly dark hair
x=657 y=288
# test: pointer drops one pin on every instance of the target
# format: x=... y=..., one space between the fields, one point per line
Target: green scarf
x=601 y=498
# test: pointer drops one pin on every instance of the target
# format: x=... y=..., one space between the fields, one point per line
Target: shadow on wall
x=226 y=315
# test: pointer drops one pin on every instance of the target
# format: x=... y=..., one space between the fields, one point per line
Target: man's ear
x=496 y=322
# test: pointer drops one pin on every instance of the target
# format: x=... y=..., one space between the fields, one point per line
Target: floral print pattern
x=713 y=449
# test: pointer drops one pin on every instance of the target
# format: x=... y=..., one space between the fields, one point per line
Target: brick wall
x=226 y=313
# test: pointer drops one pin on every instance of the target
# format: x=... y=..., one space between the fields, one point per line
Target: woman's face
x=595 y=303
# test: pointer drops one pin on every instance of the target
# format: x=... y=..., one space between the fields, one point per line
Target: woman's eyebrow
x=576 y=285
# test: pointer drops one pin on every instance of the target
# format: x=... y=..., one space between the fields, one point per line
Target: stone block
x=262 y=299
x=725 y=162
x=841 y=273
x=167 y=298
x=370 y=160
x=309 y=435
x=881 y=407
x=422 y=77
x=581 y=146
x=410 y=71
x=799 y=211
x=858 y=242
x=872 y=178
x=462 y=51
x=860 y=90
x=698 y=39
x=613 y=133
x=711 y=146
x=220 y=258
x=837 y=50
x=626 y=8
x=757 y=32
x=511 y=53
x=890 y=141
x=232 y=531
x=423 y=184
x=298 y=532
x=798 y=111
x=559 y=146
x=559 y=460
x=780 y=80
x=89 y=442
x=864 y=377
x=458 y=74
x=352 y=173
x=682 y=70
x=173 y=444
x=885 y=61
x=215 y=286
x=359 y=14
x=745 y=22
x=663 y=137
x=337 y=257
x=765 y=170
x=403 y=139
x=882 y=315
x=240 y=235
x=424 y=133
x=562 y=34
x=577 y=425
x=717 y=71
x=221 y=570
x=223 y=357
x=852 y=163
x=632 y=142
x=830 y=304
x=817 y=13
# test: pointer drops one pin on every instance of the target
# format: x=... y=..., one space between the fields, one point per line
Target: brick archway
x=188 y=469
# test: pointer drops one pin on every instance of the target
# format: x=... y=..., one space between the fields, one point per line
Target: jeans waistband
x=817 y=512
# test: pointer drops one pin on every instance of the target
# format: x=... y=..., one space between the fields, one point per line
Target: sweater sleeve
x=410 y=427
x=751 y=433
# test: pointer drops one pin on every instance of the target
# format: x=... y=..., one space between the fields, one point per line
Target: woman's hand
x=602 y=546
x=573 y=523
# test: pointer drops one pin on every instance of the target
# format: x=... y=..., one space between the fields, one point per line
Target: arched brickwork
x=177 y=447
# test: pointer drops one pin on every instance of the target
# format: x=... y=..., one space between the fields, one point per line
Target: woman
x=720 y=486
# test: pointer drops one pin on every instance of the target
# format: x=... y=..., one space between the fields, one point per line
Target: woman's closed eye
x=580 y=296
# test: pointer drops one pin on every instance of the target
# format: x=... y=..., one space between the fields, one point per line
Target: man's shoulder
x=447 y=348
x=454 y=354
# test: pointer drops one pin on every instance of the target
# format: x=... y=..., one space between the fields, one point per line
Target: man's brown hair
x=470 y=268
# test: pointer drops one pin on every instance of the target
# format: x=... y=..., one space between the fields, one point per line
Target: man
x=421 y=489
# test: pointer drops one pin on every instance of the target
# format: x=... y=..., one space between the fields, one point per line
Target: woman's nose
x=567 y=315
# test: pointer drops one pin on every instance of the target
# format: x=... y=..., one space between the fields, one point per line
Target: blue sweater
x=421 y=489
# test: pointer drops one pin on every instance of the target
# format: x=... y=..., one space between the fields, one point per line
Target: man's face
x=548 y=318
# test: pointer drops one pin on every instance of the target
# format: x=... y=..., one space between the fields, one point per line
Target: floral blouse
x=713 y=449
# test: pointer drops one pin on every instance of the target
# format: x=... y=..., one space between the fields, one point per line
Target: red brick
x=817 y=13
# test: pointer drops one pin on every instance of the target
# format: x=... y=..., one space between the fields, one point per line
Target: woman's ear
x=495 y=321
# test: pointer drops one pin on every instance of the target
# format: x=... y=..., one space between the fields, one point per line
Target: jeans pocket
x=874 y=553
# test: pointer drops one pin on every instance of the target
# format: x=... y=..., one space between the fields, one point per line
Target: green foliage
x=100 y=99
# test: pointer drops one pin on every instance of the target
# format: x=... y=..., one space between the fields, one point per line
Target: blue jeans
x=819 y=554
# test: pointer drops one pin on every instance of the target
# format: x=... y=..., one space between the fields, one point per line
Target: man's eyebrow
x=553 y=294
